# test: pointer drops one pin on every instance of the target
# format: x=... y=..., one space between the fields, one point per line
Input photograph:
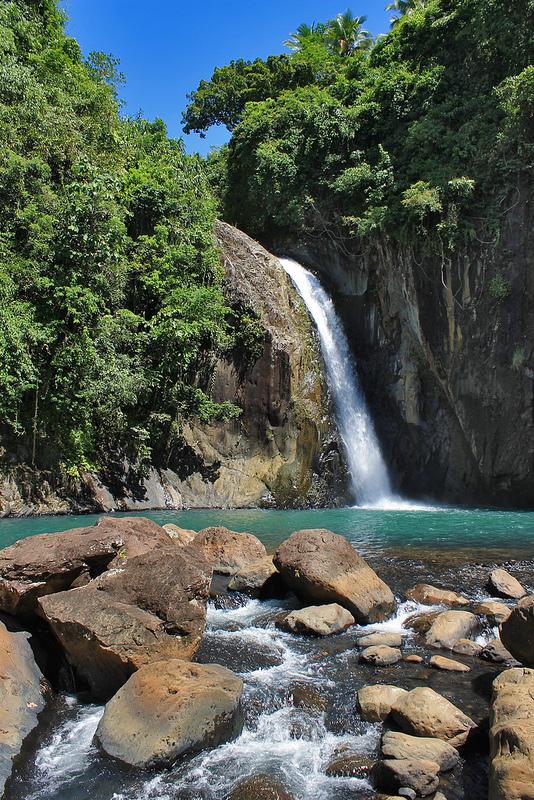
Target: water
x=368 y=473
x=293 y=743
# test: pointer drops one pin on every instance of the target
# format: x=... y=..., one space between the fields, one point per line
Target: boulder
x=421 y=623
x=318 y=620
x=420 y=775
x=517 y=632
x=502 y=584
x=21 y=697
x=381 y=655
x=258 y=579
x=373 y=639
x=180 y=536
x=512 y=736
x=322 y=566
x=153 y=609
x=413 y=658
x=308 y=697
x=169 y=708
x=228 y=551
x=400 y=745
x=375 y=702
x=259 y=787
x=349 y=765
x=449 y=626
x=424 y=712
x=467 y=647
x=448 y=664
x=52 y=562
x=430 y=595
x=495 y=652
x=495 y=613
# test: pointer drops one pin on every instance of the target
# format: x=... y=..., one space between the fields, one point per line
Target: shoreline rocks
x=22 y=697
x=449 y=626
x=169 y=708
x=319 y=565
x=227 y=551
x=258 y=579
x=375 y=702
x=424 y=712
x=517 y=632
x=503 y=584
x=429 y=595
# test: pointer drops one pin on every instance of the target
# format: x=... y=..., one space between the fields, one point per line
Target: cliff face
x=281 y=451
x=445 y=350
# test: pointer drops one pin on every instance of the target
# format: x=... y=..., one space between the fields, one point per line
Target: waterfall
x=370 y=483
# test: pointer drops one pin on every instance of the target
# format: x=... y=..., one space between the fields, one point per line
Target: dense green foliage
x=426 y=133
x=110 y=286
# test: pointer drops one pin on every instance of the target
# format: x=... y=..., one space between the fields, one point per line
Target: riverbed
x=299 y=705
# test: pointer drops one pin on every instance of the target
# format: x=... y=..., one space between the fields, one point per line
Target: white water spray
x=369 y=477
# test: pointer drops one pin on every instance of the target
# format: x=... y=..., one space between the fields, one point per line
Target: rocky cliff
x=445 y=350
x=281 y=451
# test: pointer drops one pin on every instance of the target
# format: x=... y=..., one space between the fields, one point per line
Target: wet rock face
x=430 y=595
x=257 y=579
x=51 y=562
x=424 y=712
x=511 y=736
x=22 y=697
x=227 y=551
x=170 y=708
x=420 y=775
x=517 y=632
x=375 y=702
x=152 y=609
x=320 y=565
x=401 y=745
x=259 y=787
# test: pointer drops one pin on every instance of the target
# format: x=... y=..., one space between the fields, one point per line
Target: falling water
x=369 y=477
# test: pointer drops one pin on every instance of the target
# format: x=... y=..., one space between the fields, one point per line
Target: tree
x=345 y=34
x=304 y=35
x=403 y=7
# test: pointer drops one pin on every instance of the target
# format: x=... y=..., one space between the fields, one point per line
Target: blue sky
x=167 y=46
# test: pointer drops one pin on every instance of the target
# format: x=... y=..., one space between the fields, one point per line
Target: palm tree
x=403 y=7
x=346 y=33
x=304 y=33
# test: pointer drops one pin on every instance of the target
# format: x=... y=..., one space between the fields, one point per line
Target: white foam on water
x=291 y=745
x=397 y=623
x=65 y=755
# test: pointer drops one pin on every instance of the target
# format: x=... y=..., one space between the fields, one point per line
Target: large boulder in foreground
x=517 y=632
x=170 y=708
x=319 y=620
x=512 y=736
x=229 y=551
x=152 y=609
x=321 y=566
x=53 y=562
x=449 y=626
x=21 y=697
x=424 y=712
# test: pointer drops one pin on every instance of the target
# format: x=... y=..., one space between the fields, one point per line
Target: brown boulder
x=375 y=702
x=322 y=566
x=496 y=613
x=259 y=787
x=512 y=736
x=517 y=632
x=228 y=551
x=420 y=775
x=258 y=579
x=381 y=655
x=153 y=609
x=467 y=647
x=495 y=652
x=308 y=697
x=318 y=620
x=374 y=639
x=349 y=765
x=21 y=697
x=170 y=708
x=421 y=623
x=51 y=562
x=503 y=584
x=449 y=626
x=448 y=664
x=430 y=595
x=180 y=536
x=401 y=745
x=424 y=712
